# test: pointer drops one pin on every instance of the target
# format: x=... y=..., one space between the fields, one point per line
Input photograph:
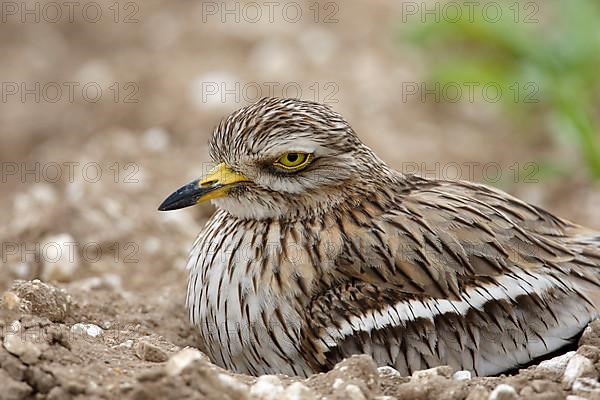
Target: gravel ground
x=92 y=340
x=106 y=317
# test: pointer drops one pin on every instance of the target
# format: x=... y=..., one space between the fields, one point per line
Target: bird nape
x=318 y=250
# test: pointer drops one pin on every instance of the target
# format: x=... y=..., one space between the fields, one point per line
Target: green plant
x=557 y=51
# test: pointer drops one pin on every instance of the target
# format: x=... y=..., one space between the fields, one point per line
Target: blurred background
x=107 y=107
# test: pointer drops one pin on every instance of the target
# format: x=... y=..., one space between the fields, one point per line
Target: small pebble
x=126 y=386
x=28 y=352
x=43 y=300
x=182 y=359
x=586 y=385
x=298 y=391
x=150 y=352
x=231 y=382
x=60 y=258
x=388 y=371
x=462 y=375
x=479 y=392
x=591 y=334
x=557 y=364
x=578 y=365
x=14 y=327
x=11 y=301
x=424 y=375
x=90 y=330
x=128 y=344
x=354 y=392
x=266 y=387
x=503 y=392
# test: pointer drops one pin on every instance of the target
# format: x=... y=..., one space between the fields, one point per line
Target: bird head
x=282 y=158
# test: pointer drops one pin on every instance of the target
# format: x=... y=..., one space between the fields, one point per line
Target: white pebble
x=14 y=328
x=557 y=364
x=388 y=371
x=297 y=391
x=577 y=365
x=10 y=300
x=266 y=387
x=426 y=374
x=337 y=383
x=180 y=360
x=128 y=344
x=60 y=257
x=503 y=392
x=586 y=385
x=26 y=351
x=87 y=329
x=231 y=382
x=462 y=375
x=354 y=392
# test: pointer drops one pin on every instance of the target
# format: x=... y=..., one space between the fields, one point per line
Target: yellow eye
x=292 y=160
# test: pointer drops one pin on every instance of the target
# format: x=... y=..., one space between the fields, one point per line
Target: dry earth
x=110 y=322
x=94 y=340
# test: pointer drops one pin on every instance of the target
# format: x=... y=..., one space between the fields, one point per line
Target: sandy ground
x=82 y=177
x=93 y=340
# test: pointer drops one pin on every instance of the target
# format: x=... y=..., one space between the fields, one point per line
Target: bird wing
x=454 y=273
x=443 y=236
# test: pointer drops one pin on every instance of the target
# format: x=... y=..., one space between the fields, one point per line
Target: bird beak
x=216 y=184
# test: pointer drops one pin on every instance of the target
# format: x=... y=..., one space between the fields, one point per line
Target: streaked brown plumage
x=301 y=267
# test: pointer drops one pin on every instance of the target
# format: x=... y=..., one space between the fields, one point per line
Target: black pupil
x=292 y=157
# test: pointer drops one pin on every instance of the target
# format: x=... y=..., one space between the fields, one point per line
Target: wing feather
x=455 y=273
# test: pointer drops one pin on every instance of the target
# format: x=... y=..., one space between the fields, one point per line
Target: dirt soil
x=91 y=339
x=92 y=277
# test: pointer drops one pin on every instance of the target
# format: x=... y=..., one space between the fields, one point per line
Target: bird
x=318 y=251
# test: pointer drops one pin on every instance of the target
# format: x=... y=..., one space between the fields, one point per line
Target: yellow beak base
x=216 y=184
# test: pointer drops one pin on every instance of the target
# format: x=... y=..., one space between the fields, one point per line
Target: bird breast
x=249 y=283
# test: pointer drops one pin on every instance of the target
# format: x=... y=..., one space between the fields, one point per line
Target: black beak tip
x=185 y=196
x=175 y=201
x=165 y=205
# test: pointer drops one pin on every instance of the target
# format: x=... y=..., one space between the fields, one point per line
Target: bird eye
x=292 y=160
